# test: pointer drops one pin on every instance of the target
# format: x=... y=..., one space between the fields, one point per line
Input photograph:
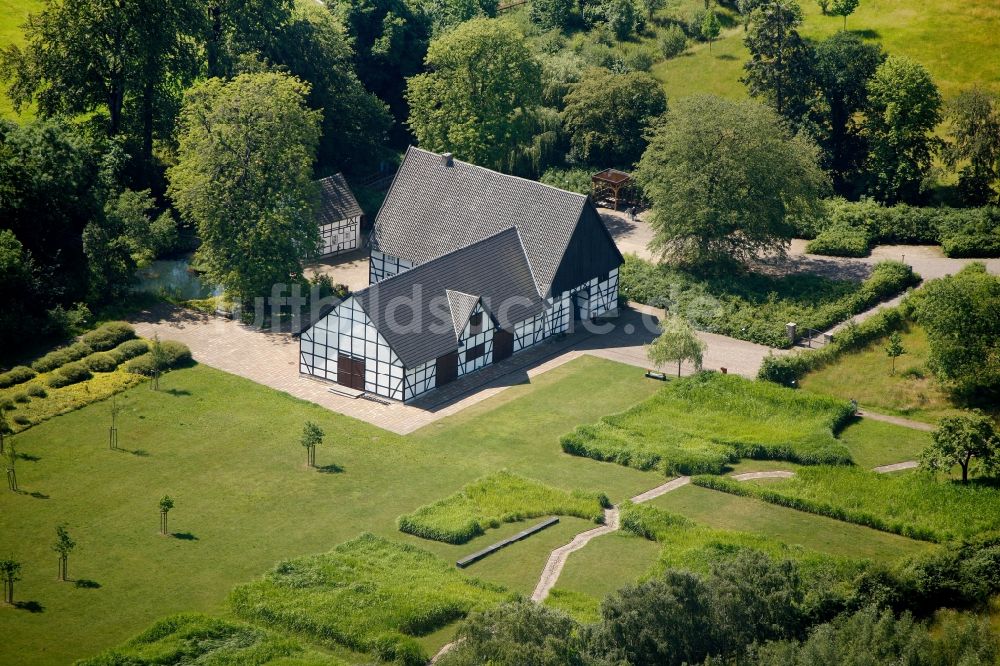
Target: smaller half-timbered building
x=468 y=267
x=340 y=217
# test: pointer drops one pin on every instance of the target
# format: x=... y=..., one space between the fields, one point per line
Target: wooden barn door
x=503 y=345
x=351 y=372
x=446 y=369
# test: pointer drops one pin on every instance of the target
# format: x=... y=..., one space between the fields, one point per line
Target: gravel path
x=557 y=560
x=909 y=464
x=897 y=420
x=774 y=474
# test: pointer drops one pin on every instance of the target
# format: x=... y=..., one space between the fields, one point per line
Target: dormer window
x=476 y=323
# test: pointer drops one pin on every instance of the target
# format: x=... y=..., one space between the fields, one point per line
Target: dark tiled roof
x=336 y=201
x=413 y=310
x=433 y=208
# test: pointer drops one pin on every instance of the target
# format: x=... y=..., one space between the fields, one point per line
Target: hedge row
x=70 y=373
x=175 y=355
x=852 y=228
x=16 y=375
x=108 y=336
x=60 y=357
x=855 y=516
x=601 y=441
x=789 y=368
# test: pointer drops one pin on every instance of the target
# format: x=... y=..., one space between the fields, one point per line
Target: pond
x=174 y=278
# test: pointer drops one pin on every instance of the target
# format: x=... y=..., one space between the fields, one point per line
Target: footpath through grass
x=703 y=423
x=912 y=504
x=866 y=376
x=227 y=451
x=499 y=498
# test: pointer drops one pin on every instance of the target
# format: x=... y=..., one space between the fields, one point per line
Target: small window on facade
x=476 y=324
x=472 y=353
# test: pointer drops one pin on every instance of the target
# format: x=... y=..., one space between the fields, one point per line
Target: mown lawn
x=866 y=376
x=949 y=37
x=13 y=14
x=227 y=451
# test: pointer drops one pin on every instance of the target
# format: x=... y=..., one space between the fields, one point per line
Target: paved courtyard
x=272 y=359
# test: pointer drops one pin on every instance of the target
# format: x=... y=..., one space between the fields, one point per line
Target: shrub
x=36 y=390
x=71 y=373
x=572 y=180
x=976 y=233
x=22 y=420
x=101 y=362
x=21 y=396
x=368 y=594
x=176 y=355
x=16 y=375
x=7 y=404
x=701 y=424
x=60 y=357
x=108 y=336
x=499 y=498
x=129 y=350
x=842 y=241
x=673 y=41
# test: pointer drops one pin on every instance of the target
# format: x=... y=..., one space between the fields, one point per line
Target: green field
x=496 y=499
x=701 y=424
x=912 y=504
x=954 y=40
x=227 y=451
x=865 y=376
x=13 y=14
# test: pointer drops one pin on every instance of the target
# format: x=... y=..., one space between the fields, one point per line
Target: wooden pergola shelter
x=609 y=181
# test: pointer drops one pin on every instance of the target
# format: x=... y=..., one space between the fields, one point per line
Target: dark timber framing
x=487 y=264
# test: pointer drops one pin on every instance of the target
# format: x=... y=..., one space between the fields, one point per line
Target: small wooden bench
x=489 y=550
x=653 y=374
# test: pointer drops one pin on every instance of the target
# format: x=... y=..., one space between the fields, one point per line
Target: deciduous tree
x=554 y=14
x=10 y=463
x=726 y=180
x=10 y=572
x=963 y=331
x=480 y=97
x=960 y=440
x=894 y=349
x=63 y=546
x=607 y=116
x=244 y=178
x=166 y=504
x=843 y=8
x=710 y=27
x=904 y=106
x=678 y=342
x=312 y=436
x=974 y=133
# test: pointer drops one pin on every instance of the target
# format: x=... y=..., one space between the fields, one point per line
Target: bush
x=129 y=350
x=16 y=375
x=176 y=355
x=842 y=241
x=71 y=373
x=60 y=357
x=572 y=180
x=22 y=420
x=21 y=397
x=499 y=498
x=36 y=390
x=673 y=41
x=976 y=233
x=101 y=362
x=7 y=404
x=108 y=336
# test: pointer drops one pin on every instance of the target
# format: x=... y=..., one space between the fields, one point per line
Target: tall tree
x=312 y=436
x=313 y=46
x=554 y=14
x=726 y=180
x=904 y=106
x=963 y=331
x=780 y=68
x=974 y=131
x=844 y=65
x=390 y=42
x=607 y=116
x=236 y=29
x=961 y=439
x=244 y=178
x=10 y=572
x=105 y=56
x=480 y=96
x=677 y=342
x=63 y=546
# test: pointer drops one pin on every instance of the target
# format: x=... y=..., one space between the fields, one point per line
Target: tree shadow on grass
x=866 y=33
x=30 y=606
x=86 y=584
x=139 y=453
x=330 y=469
x=725 y=56
x=177 y=392
x=38 y=495
x=184 y=536
x=28 y=457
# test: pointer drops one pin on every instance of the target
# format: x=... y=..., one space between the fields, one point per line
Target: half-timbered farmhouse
x=339 y=217
x=468 y=266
